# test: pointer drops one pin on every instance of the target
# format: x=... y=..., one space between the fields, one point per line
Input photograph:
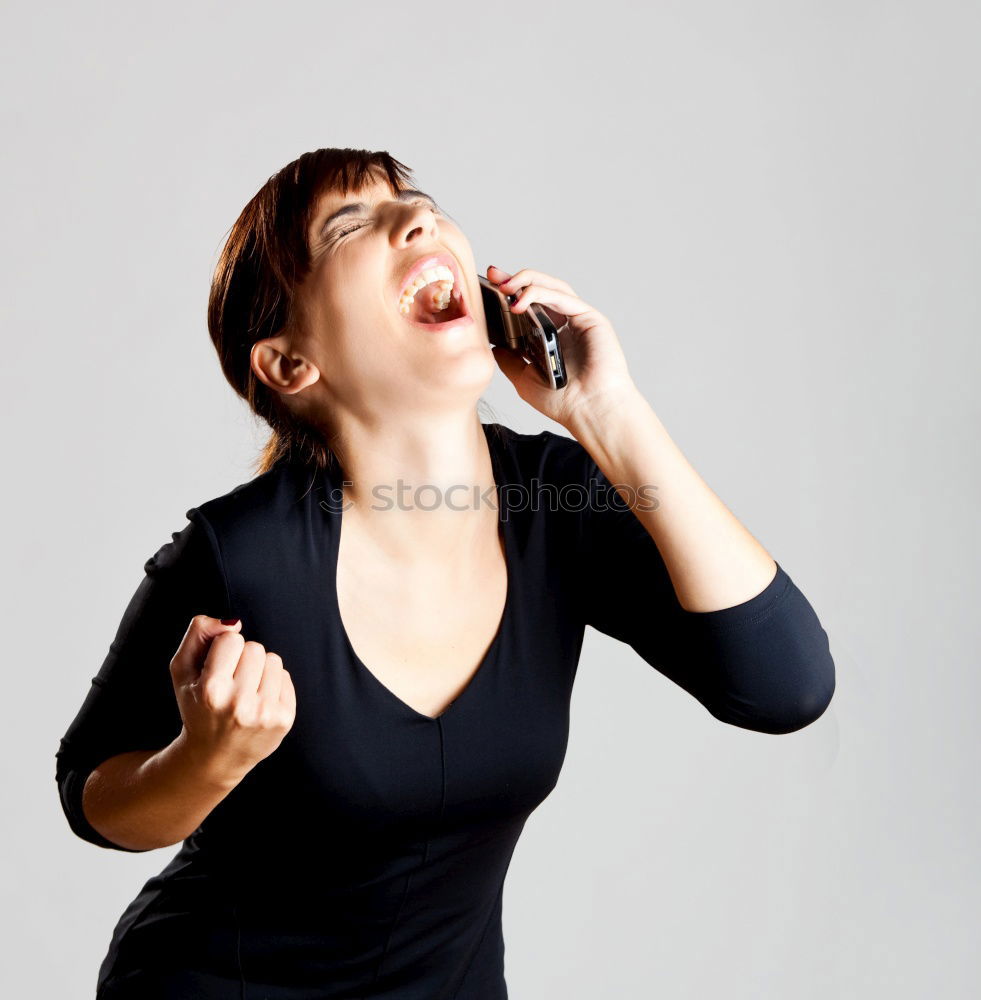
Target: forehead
x=376 y=186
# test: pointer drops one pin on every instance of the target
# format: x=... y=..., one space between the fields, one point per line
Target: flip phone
x=531 y=332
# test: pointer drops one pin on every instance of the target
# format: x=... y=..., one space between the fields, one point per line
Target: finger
x=197 y=640
x=251 y=663
x=287 y=693
x=272 y=677
x=497 y=274
x=222 y=656
x=568 y=305
x=526 y=276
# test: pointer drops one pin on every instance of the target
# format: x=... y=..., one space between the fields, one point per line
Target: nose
x=416 y=222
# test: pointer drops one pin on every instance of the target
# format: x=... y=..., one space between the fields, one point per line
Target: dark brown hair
x=265 y=259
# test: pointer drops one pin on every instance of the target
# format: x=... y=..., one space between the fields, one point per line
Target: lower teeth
x=441 y=301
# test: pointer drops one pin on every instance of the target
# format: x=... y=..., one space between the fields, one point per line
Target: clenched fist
x=237 y=701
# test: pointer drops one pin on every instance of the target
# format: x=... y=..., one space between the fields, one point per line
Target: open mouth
x=432 y=307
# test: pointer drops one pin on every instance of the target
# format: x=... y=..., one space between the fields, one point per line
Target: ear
x=276 y=365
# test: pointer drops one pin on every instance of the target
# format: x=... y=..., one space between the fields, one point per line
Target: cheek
x=355 y=285
x=353 y=316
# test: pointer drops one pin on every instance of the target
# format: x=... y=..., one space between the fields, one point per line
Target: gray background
x=777 y=206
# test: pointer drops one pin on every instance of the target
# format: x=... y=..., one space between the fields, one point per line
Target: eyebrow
x=357 y=206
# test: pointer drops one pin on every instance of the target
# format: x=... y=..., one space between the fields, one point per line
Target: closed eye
x=337 y=234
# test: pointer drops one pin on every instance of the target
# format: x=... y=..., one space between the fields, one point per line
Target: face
x=356 y=346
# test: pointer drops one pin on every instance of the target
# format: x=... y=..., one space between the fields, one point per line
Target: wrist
x=599 y=418
x=205 y=765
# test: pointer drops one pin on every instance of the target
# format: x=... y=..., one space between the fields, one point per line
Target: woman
x=348 y=729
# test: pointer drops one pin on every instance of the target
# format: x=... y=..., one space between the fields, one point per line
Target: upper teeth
x=440 y=273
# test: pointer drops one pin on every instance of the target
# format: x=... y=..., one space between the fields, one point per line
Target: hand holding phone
x=530 y=332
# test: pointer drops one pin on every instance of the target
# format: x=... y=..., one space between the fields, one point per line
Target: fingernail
x=229 y=621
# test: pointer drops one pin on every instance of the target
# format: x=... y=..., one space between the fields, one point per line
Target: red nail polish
x=229 y=621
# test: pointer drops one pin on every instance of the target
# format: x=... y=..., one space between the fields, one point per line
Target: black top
x=366 y=857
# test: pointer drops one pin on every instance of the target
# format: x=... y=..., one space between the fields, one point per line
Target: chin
x=470 y=370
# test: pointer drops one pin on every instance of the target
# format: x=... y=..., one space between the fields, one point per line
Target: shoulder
x=275 y=497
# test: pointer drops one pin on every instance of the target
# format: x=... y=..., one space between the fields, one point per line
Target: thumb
x=187 y=661
x=510 y=362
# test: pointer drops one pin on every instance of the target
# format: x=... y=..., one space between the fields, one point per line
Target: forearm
x=149 y=799
x=713 y=560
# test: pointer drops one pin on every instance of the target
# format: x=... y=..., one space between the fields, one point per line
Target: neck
x=406 y=468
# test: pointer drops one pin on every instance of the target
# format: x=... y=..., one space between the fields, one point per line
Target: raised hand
x=237 y=700
x=595 y=363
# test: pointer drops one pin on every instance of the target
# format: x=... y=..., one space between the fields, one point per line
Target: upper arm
x=131 y=704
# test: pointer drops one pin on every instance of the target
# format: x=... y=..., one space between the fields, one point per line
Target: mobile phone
x=531 y=332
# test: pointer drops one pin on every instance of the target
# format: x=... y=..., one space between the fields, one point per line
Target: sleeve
x=763 y=665
x=131 y=704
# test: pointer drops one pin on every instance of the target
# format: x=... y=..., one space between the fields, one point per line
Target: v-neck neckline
x=490 y=657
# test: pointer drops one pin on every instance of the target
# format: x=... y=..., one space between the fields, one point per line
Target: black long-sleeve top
x=366 y=857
